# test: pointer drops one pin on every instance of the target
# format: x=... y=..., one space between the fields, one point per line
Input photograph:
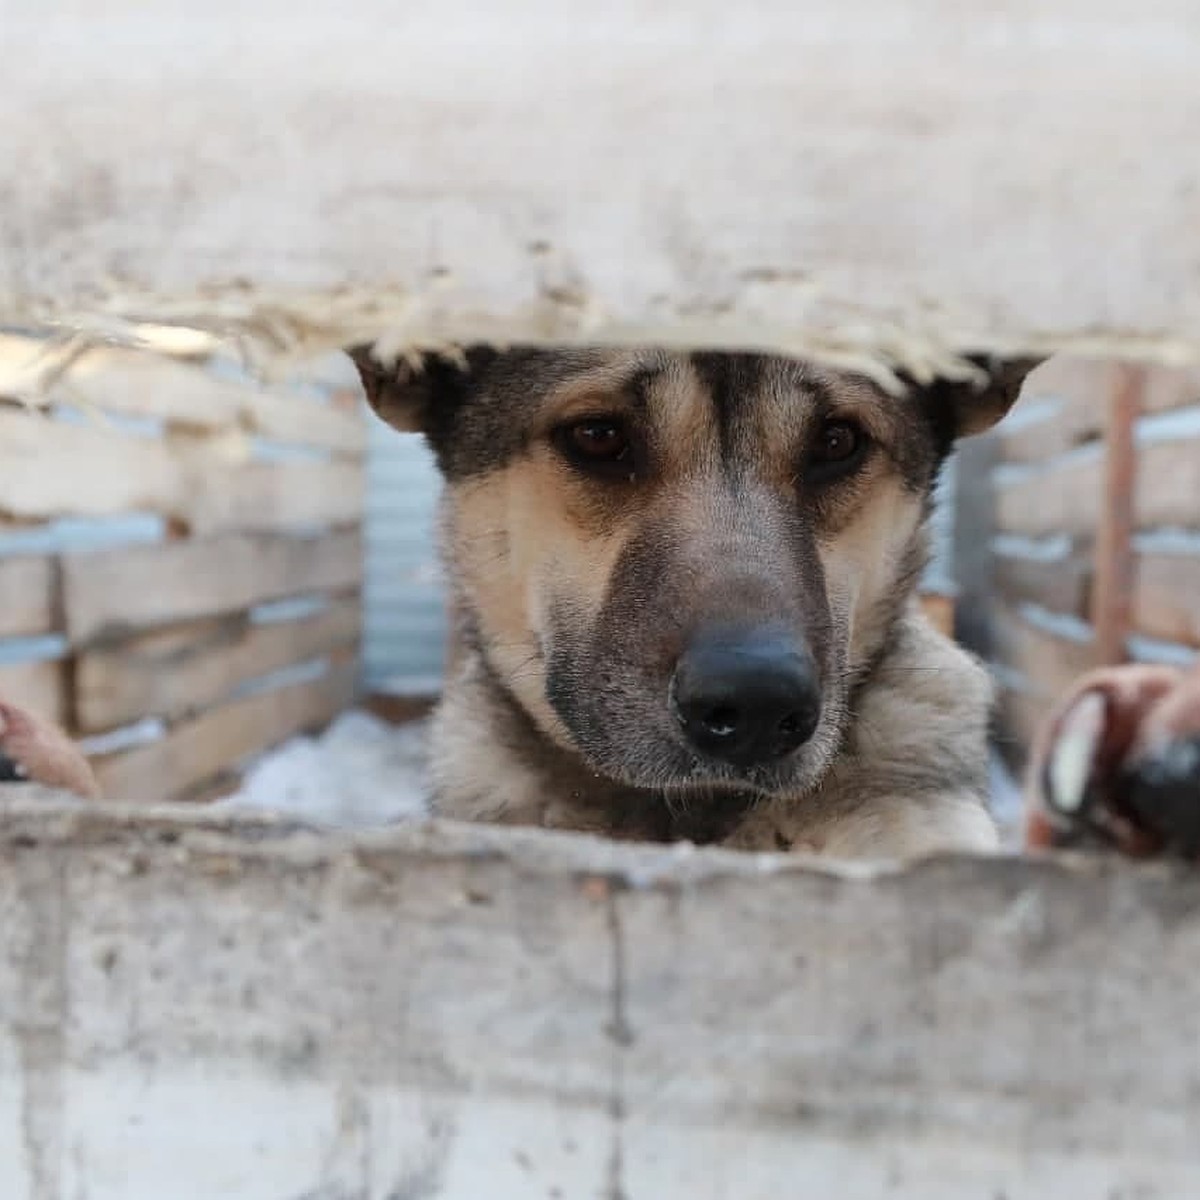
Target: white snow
x=361 y=772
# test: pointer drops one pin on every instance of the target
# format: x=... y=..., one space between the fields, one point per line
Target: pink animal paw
x=1118 y=764
x=34 y=750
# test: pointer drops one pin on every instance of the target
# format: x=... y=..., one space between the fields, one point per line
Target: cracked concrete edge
x=900 y=223
x=272 y=336
x=32 y=817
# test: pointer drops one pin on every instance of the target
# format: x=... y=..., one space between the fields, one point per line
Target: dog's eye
x=597 y=443
x=838 y=449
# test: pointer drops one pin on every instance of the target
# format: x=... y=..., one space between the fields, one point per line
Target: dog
x=683 y=597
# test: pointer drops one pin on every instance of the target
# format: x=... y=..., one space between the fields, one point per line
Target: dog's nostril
x=721 y=722
x=791 y=725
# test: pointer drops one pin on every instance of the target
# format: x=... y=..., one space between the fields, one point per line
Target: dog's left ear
x=969 y=406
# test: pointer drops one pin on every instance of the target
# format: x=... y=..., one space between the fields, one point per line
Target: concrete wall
x=192 y=1007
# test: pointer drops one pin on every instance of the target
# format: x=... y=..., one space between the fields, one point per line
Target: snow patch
x=360 y=773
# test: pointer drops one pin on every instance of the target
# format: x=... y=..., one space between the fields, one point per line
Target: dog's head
x=679 y=564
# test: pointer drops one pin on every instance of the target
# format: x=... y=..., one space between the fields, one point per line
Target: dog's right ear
x=411 y=392
x=399 y=394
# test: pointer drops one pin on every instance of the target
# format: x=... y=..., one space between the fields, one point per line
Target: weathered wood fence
x=229 y=617
x=1054 y=498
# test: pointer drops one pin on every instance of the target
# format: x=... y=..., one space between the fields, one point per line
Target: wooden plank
x=472 y=195
x=575 y=1013
x=1112 y=593
x=184 y=395
x=1079 y=386
x=1171 y=387
x=398 y=709
x=1167 y=492
x=1166 y=597
x=1061 y=496
x=220 y=787
x=177 y=671
x=1060 y=585
x=1050 y=662
x=1066 y=496
x=40 y=687
x=939 y=611
x=28 y=599
x=1079 y=422
x=270 y=496
x=1068 y=376
x=52 y=469
x=199 y=749
x=117 y=592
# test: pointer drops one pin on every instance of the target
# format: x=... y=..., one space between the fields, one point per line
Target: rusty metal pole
x=1112 y=595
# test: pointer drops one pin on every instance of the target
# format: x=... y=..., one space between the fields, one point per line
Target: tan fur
x=862 y=561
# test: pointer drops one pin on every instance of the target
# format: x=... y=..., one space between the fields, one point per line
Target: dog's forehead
x=708 y=407
x=729 y=383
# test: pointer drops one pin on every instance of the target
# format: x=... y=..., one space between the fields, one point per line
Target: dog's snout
x=748 y=697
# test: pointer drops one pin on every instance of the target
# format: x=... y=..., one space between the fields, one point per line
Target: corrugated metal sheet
x=405 y=624
x=939 y=575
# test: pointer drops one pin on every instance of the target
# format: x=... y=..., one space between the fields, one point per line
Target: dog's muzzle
x=748 y=697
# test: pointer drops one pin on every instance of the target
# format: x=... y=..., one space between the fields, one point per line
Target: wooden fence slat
x=1061 y=585
x=1167 y=491
x=202 y=748
x=1166 y=597
x=284 y=418
x=39 y=686
x=118 y=592
x=50 y=468
x=1081 y=385
x=1170 y=387
x=134 y=383
x=1060 y=497
x=1112 y=594
x=260 y=497
x=1065 y=497
x=53 y=469
x=167 y=674
x=27 y=596
x=938 y=609
x=1050 y=662
x=1077 y=424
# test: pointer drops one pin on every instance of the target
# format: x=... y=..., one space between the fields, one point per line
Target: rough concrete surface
x=904 y=179
x=195 y=1005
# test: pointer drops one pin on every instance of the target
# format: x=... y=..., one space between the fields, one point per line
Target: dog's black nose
x=746 y=696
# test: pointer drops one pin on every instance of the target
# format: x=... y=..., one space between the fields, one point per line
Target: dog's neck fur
x=491 y=762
